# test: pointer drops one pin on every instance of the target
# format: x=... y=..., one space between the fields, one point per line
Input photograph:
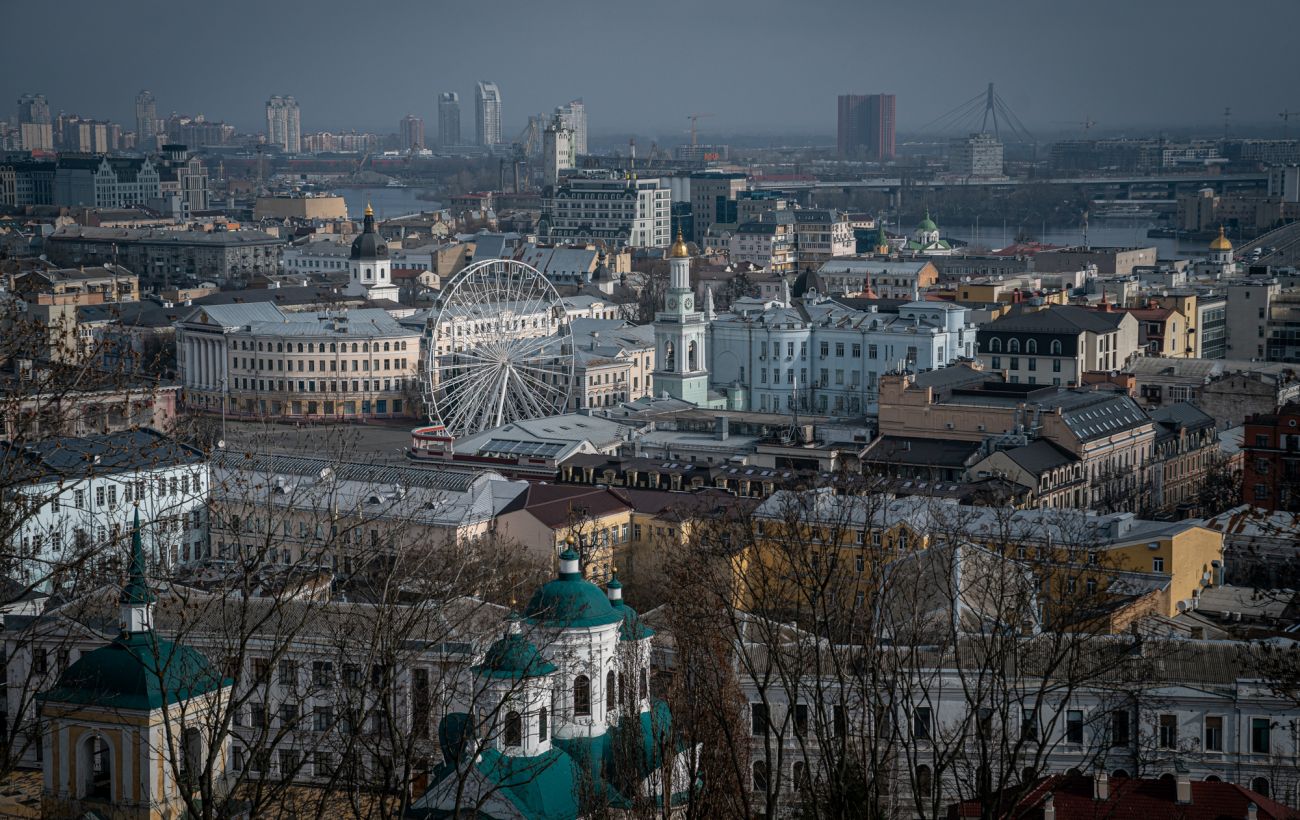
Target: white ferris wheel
x=500 y=350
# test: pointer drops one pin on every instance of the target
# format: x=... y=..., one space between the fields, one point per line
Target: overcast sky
x=758 y=65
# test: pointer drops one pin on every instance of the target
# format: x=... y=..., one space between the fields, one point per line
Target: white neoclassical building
x=817 y=355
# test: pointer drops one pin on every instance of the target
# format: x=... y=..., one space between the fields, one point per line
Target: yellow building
x=543 y=519
x=1099 y=570
x=127 y=726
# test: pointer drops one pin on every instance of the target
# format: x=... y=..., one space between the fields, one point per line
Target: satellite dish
x=326 y=472
x=221 y=444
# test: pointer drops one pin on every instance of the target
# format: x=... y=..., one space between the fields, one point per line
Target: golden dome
x=679 y=249
x=1221 y=242
x=369 y=210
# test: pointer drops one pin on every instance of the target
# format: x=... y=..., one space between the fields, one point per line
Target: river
x=387 y=202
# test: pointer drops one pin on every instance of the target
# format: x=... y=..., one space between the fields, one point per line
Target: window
x=288 y=673
x=995 y=345
x=542 y=728
x=997 y=363
x=1119 y=734
x=839 y=720
x=1157 y=565
x=921 y=723
x=610 y=694
x=1056 y=348
x=1074 y=726
x=1031 y=346
x=1213 y=733
x=322 y=718
x=643 y=685
x=514 y=730
x=758 y=718
x=1168 y=731
x=1013 y=345
x=1259 y=739
x=581 y=696
x=1029 y=724
x=760 y=775
x=924 y=781
x=322 y=673
x=801 y=719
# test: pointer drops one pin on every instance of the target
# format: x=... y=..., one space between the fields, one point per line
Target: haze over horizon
x=759 y=66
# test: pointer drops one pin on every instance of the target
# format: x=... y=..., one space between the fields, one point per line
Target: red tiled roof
x=1136 y=799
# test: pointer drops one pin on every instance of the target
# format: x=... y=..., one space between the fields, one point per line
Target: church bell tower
x=680 y=334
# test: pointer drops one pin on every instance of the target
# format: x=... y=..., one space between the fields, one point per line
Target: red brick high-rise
x=866 y=126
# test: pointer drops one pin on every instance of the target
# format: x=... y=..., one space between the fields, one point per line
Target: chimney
x=1049 y=808
x=1183 y=789
x=1101 y=787
x=723 y=426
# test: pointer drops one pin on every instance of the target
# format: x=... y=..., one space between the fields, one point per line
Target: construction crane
x=694 y=118
x=1286 y=116
x=1086 y=125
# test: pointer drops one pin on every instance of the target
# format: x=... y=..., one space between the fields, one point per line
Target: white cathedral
x=681 y=336
x=370 y=271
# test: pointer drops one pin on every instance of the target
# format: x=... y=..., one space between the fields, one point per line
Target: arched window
x=365 y=347
x=1119 y=774
x=669 y=352
x=385 y=347
x=643 y=687
x=334 y=347
x=96 y=764
x=1056 y=347
x=760 y=775
x=354 y=347
x=279 y=347
x=542 y=728
x=995 y=345
x=691 y=361
x=924 y=781
x=610 y=693
x=1260 y=786
x=1214 y=778
x=300 y=347
x=800 y=772
x=581 y=695
x=1013 y=345
x=1031 y=346
x=514 y=729
x=624 y=693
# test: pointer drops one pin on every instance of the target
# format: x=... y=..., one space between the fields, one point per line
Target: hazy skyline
x=760 y=66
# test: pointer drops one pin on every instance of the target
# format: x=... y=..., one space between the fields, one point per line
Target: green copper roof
x=138 y=671
x=137 y=589
x=513 y=656
x=632 y=628
x=927 y=224
x=570 y=601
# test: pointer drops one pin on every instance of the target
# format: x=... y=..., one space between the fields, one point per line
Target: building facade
x=283 y=124
x=78 y=494
x=604 y=206
x=1058 y=344
x=979 y=155
x=574 y=115
x=448 y=119
x=1271 y=459
x=257 y=361
x=170 y=257
x=104 y=182
x=410 y=131
x=146 y=121
x=866 y=127
x=487 y=108
x=819 y=356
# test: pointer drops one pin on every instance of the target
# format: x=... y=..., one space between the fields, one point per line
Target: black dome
x=368 y=245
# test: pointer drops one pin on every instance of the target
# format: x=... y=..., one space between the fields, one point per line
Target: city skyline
x=1119 y=92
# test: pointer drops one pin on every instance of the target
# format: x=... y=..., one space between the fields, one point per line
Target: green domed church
x=561 y=722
